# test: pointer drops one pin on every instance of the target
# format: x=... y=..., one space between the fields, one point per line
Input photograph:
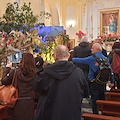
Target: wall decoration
x=109 y=21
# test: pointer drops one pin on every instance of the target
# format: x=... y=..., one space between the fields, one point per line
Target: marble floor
x=86 y=104
x=86 y=107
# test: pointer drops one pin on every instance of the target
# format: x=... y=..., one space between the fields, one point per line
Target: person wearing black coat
x=39 y=64
x=64 y=86
x=39 y=68
x=81 y=51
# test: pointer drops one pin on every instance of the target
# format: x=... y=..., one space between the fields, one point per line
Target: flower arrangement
x=80 y=35
x=109 y=38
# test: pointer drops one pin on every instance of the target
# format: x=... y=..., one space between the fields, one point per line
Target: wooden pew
x=3 y=112
x=88 y=116
x=115 y=90
x=108 y=107
x=112 y=96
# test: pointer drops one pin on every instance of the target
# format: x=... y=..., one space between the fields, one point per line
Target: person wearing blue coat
x=96 y=90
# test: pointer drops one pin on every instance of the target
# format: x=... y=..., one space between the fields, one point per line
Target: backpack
x=102 y=76
x=115 y=65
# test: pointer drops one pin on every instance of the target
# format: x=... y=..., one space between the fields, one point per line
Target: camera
x=15 y=64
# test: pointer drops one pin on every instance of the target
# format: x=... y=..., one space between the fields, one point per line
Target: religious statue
x=112 y=24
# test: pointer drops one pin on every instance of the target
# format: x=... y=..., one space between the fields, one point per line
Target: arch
x=54 y=12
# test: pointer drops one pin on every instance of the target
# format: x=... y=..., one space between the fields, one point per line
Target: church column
x=54 y=12
x=84 y=18
x=90 y=22
x=42 y=9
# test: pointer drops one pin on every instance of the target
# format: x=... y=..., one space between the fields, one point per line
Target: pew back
x=108 y=107
x=88 y=116
x=115 y=90
x=112 y=96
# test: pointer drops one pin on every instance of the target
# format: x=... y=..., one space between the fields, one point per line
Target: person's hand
x=96 y=64
x=9 y=65
x=111 y=85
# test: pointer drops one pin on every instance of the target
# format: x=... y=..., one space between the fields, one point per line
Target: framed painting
x=109 y=22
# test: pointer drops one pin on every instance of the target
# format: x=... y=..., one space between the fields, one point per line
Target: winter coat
x=82 y=51
x=114 y=57
x=24 y=108
x=63 y=87
x=91 y=62
x=104 y=52
x=110 y=56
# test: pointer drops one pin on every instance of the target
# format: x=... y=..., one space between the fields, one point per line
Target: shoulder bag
x=9 y=93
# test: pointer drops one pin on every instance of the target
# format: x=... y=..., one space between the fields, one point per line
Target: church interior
x=56 y=22
x=90 y=17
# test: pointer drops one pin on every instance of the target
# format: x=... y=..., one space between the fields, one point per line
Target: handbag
x=9 y=93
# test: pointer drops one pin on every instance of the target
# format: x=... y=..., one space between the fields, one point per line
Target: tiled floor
x=86 y=107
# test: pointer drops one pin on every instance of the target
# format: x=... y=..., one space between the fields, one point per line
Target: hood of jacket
x=84 y=44
x=60 y=70
x=117 y=51
x=22 y=77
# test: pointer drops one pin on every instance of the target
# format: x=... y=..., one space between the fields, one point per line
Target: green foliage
x=20 y=18
x=48 y=51
x=49 y=47
x=3 y=51
x=16 y=17
x=65 y=38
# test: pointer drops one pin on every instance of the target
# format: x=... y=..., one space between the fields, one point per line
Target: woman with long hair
x=25 y=74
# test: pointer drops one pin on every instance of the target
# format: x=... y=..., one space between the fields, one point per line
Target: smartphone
x=15 y=64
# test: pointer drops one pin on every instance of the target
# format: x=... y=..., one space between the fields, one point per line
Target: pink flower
x=80 y=34
x=79 y=37
x=3 y=35
x=77 y=33
x=83 y=34
x=116 y=38
x=9 y=42
x=102 y=39
x=109 y=35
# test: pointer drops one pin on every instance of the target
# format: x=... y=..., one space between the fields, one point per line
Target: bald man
x=63 y=85
x=96 y=90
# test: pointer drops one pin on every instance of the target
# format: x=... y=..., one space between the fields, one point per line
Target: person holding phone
x=25 y=74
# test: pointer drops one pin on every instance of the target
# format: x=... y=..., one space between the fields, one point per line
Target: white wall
x=69 y=17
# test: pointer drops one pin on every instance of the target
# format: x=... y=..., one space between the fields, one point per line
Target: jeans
x=97 y=93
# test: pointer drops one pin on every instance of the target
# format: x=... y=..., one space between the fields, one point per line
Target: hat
x=39 y=63
x=84 y=39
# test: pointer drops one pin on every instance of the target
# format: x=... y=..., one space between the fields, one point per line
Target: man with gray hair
x=96 y=90
x=104 y=52
x=63 y=85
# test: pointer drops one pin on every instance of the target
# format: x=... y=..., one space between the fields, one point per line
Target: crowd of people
x=56 y=91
